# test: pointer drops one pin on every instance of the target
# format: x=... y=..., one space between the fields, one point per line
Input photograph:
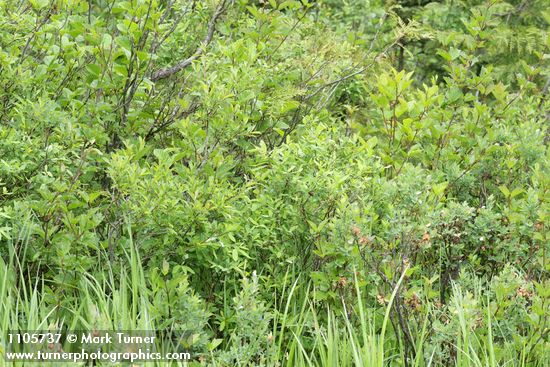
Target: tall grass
x=475 y=351
x=337 y=340
x=101 y=302
x=305 y=332
x=353 y=337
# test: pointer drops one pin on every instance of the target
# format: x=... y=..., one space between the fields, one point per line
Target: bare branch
x=167 y=72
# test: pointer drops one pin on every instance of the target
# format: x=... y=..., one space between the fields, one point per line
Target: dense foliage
x=332 y=183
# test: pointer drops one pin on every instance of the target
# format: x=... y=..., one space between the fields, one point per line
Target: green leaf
x=289 y=106
x=93 y=69
x=215 y=343
x=39 y=4
x=165 y=267
x=504 y=190
x=439 y=189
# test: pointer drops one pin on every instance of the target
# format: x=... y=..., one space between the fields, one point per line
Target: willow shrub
x=347 y=142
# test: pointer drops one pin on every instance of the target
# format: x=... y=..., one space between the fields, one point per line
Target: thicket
x=332 y=183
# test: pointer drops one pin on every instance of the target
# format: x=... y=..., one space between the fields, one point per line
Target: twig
x=156 y=129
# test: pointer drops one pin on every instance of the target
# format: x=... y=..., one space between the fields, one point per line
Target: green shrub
x=267 y=175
